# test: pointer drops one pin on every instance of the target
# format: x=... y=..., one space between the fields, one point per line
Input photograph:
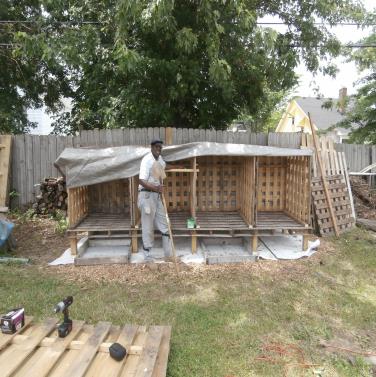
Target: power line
x=14 y=45
x=257 y=23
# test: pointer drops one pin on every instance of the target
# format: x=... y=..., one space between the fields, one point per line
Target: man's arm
x=151 y=187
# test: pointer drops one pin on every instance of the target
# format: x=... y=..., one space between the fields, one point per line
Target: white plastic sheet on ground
x=66 y=258
x=270 y=248
x=285 y=247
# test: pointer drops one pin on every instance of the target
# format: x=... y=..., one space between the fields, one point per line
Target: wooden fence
x=33 y=155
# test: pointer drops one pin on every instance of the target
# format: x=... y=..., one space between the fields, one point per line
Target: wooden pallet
x=36 y=351
x=5 y=158
x=340 y=201
x=337 y=180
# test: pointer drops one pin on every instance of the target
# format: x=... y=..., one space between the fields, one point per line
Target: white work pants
x=153 y=213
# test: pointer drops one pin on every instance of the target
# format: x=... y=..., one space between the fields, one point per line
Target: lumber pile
x=364 y=198
x=53 y=196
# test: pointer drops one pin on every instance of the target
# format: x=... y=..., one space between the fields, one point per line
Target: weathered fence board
x=33 y=156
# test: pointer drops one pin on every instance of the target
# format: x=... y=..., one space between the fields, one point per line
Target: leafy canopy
x=361 y=116
x=185 y=63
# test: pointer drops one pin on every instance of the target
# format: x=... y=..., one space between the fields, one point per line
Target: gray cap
x=156 y=141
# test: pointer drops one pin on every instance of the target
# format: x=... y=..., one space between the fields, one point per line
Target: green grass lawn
x=222 y=317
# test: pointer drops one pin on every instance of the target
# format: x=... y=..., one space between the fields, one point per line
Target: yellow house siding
x=301 y=120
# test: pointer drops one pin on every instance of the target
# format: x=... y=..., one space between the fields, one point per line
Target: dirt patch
x=37 y=239
x=364 y=198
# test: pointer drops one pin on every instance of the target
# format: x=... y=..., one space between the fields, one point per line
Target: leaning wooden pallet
x=36 y=351
x=330 y=186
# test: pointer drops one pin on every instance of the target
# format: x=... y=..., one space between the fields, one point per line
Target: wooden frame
x=102 y=210
x=36 y=350
x=228 y=196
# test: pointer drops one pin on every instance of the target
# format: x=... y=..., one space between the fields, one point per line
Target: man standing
x=150 y=203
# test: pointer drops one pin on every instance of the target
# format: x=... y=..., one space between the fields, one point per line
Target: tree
x=27 y=77
x=184 y=63
x=361 y=115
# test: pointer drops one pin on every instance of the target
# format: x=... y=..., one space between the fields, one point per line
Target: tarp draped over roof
x=83 y=166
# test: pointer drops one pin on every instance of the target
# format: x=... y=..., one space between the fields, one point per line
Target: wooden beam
x=323 y=177
x=74 y=344
x=181 y=170
x=168 y=136
x=73 y=244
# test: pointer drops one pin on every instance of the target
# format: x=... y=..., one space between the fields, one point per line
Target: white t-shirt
x=145 y=169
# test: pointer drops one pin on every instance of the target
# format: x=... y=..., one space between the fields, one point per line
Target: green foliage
x=362 y=115
x=23 y=216
x=61 y=222
x=157 y=63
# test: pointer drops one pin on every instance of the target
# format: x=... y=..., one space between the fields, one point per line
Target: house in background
x=295 y=118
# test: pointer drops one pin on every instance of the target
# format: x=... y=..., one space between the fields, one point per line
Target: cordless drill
x=66 y=327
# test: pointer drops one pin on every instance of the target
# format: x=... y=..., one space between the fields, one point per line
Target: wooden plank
x=47 y=357
x=160 y=369
x=29 y=189
x=82 y=362
x=5 y=161
x=12 y=357
x=15 y=171
x=6 y=339
x=150 y=352
x=104 y=365
x=52 y=156
x=36 y=161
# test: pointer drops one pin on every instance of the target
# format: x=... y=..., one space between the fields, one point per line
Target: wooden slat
x=12 y=357
x=104 y=365
x=5 y=160
x=160 y=369
x=47 y=357
x=80 y=365
x=150 y=352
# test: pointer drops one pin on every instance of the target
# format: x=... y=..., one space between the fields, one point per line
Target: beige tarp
x=83 y=166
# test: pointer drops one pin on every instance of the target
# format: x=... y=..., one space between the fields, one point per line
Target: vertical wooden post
x=73 y=244
x=134 y=241
x=254 y=243
x=194 y=242
x=194 y=188
x=168 y=136
x=305 y=242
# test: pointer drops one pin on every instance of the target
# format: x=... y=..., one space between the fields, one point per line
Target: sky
x=347 y=75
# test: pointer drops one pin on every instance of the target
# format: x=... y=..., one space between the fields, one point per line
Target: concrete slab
x=103 y=251
x=229 y=250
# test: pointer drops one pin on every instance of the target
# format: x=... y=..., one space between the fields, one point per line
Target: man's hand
x=160 y=189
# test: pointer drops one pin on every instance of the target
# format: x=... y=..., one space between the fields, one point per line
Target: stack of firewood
x=53 y=196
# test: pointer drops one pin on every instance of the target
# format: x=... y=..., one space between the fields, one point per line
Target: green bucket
x=191 y=223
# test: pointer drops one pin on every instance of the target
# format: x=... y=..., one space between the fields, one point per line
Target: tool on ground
x=66 y=327
x=12 y=321
x=117 y=351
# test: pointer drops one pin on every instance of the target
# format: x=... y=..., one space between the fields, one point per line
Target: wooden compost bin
x=103 y=209
x=283 y=196
x=240 y=196
x=217 y=191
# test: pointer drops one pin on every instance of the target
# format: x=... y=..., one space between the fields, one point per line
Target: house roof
x=322 y=117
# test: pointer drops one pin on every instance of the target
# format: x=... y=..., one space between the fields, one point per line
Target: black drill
x=66 y=327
